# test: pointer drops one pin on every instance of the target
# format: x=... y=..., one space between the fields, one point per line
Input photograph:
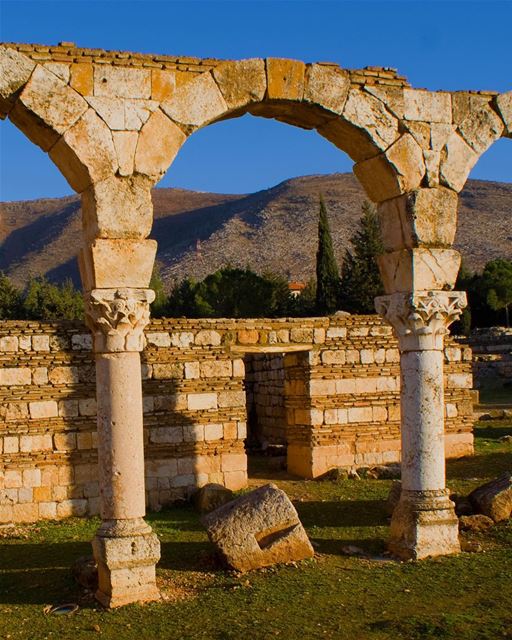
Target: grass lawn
x=331 y=596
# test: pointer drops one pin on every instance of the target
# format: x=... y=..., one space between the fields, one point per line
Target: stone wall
x=492 y=357
x=341 y=401
x=264 y=384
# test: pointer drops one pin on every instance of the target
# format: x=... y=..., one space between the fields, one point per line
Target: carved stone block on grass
x=259 y=529
x=494 y=499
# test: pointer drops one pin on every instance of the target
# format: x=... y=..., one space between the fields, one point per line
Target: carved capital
x=420 y=320
x=117 y=318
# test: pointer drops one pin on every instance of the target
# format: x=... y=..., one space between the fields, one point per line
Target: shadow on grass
x=479 y=466
x=342 y=513
x=492 y=432
x=39 y=573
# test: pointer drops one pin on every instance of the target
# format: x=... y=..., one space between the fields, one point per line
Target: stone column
x=125 y=547
x=424 y=522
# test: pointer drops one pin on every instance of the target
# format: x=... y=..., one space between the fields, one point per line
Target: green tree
x=10 y=299
x=497 y=283
x=230 y=293
x=46 y=301
x=464 y=279
x=360 y=277
x=327 y=274
x=159 y=304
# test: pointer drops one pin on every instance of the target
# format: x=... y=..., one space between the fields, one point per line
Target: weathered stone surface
x=86 y=153
x=476 y=523
x=81 y=78
x=427 y=106
x=211 y=497
x=163 y=84
x=119 y=82
x=241 y=82
x=47 y=108
x=481 y=128
x=197 y=103
x=424 y=524
x=365 y=128
x=457 y=160
x=419 y=269
x=118 y=208
x=159 y=142
x=424 y=217
x=15 y=70
x=285 y=79
x=258 y=529
x=494 y=499
x=125 y=143
x=398 y=170
x=327 y=87
x=126 y=568
x=504 y=104
x=106 y=264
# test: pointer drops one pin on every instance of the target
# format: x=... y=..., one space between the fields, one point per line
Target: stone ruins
x=113 y=122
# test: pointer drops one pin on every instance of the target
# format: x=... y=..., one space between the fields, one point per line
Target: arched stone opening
x=113 y=126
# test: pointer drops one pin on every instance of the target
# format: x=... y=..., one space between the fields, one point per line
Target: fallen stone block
x=463 y=506
x=211 y=497
x=476 y=523
x=494 y=499
x=258 y=529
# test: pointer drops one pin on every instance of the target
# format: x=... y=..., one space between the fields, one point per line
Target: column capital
x=420 y=319
x=117 y=318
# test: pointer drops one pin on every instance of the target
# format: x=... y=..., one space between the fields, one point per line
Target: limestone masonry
x=337 y=405
x=113 y=122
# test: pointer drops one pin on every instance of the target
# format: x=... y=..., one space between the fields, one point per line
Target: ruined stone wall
x=492 y=356
x=266 y=412
x=341 y=401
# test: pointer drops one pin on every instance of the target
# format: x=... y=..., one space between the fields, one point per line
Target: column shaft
x=422 y=411
x=120 y=435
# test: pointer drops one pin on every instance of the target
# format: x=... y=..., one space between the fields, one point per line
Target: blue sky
x=437 y=45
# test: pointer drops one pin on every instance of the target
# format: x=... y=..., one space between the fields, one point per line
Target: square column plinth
x=424 y=524
x=126 y=566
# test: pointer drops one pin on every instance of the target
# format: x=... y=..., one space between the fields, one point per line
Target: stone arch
x=362 y=123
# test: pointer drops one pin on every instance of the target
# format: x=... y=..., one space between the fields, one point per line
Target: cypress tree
x=360 y=277
x=327 y=274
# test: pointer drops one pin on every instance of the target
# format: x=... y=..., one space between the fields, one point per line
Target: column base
x=423 y=525
x=126 y=552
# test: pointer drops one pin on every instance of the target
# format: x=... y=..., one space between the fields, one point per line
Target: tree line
x=235 y=292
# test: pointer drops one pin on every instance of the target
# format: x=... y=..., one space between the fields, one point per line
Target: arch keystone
x=285 y=79
x=241 y=82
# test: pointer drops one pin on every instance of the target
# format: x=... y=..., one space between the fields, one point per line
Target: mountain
x=271 y=230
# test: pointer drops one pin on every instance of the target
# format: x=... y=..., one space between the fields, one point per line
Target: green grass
x=466 y=597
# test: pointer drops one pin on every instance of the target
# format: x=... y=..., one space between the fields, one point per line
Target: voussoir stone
x=159 y=142
x=241 y=82
x=196 y=103
x=494 y=499
x=15 y=70
x=86 y=152
x=327 y=87
x=481 y=128
x=504 y=104
x=258 y=529
x=457 y=160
